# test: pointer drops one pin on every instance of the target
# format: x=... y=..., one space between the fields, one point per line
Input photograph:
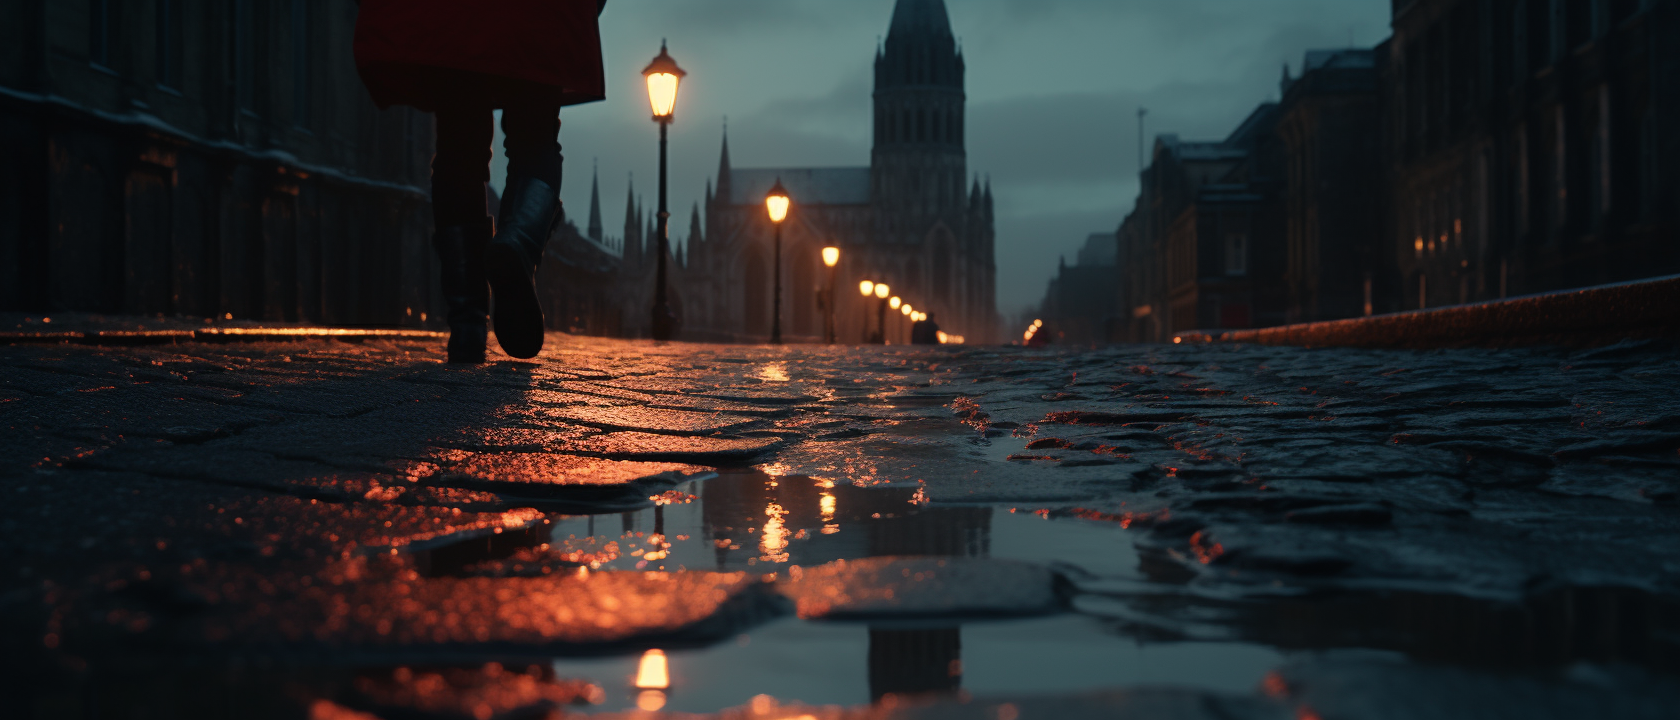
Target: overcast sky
x=1053 y=89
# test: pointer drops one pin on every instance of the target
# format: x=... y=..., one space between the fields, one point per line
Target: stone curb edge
x=212 y=335
x=1588 y=316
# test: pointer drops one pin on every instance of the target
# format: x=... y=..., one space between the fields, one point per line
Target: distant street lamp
x=866 y=287
x=831 y=258
x=777 y=204
x=663 y=77
x=907 y=311
x=881 y=292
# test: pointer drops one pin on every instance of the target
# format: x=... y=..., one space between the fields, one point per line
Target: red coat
x=427 y=53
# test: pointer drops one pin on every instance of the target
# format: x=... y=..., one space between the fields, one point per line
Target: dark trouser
x=462 y=164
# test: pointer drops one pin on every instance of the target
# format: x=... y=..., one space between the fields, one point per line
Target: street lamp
x=663 y=77
x=907 y=310
x=777 y=204
x=881 y=293
x=866 y=287
x=831 y=258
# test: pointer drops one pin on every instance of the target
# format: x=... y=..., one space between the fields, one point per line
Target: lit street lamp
x=663 y=77
x=907 y=311
x=866 y=287
x=831 y=258
x=881 y=292
x=777 y=204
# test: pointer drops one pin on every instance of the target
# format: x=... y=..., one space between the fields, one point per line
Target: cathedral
x=911 y=219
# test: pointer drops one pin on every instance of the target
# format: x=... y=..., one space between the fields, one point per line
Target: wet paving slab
x=353 y=530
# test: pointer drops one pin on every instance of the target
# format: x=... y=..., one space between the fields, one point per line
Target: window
x=1601 y=148
x=1560 y=168
x=1236 y=255
x=244 y=56
x=169 y=44
x=300 y=63
x=100 y=14
x=1519 y=170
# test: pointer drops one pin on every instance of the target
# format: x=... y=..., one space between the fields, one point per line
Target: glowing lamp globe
x=867 y=288
x=777 y=202
x=663 y=77
x=831 y=256
x=907 y=310
x=895 y=303
x=882 y=291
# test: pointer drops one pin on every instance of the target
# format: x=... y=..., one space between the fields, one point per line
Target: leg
x=530 y=209
x=463 y=228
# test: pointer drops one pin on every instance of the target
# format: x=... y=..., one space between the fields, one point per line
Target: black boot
x=460 y=251
x=529 y=211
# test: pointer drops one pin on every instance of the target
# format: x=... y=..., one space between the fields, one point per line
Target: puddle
x=750 y=521
x=850 y=664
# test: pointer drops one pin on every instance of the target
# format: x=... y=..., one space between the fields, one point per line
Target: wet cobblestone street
x=353 y=529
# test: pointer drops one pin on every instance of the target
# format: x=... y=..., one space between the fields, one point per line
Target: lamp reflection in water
x=653 y=679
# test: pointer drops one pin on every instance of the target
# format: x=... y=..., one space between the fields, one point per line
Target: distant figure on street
x=925 y=332
x=462 y=61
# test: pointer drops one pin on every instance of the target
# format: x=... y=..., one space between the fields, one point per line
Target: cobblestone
x=179 y=512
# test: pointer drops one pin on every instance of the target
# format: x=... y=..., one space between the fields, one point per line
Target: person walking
x=462 y=61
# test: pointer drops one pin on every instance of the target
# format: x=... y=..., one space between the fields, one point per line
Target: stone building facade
x=912 y=218
x=206 y=159
x=1488 y=149
x=1531 y=145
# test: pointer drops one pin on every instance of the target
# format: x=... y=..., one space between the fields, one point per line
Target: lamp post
x=831 y=258
x=663 y=77
x=881 y=293
x=777 y=204
x=909 y=314
x=866 y=287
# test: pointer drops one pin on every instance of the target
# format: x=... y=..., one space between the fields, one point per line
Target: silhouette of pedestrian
x=925 y=332
x=462 y=61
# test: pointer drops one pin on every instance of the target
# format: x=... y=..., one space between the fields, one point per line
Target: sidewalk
x=354 y=529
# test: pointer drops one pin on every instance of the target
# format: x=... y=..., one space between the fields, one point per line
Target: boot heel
x=516 y=312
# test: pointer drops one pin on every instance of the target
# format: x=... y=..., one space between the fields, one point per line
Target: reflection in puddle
x=751 y=521
x=847 y=664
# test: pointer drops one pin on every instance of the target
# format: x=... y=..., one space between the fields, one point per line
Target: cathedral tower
x=919 y=162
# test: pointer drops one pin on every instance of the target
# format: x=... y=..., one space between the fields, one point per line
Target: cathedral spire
x=632 y=223
x=918 y=17
x=724 y=183
x=595 y=230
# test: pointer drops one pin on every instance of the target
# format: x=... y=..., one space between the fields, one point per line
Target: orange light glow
x=867 y=288
x=662 y=93
x=906 y=310
x=777 y=203
x=882 y=291
x=943 y=338
x=663 y=77
x=895 y=303
x=773 y=540
x=654 y=672
x=1177 y=340
x=827 y=504
x=650 y=700
x=831 y=256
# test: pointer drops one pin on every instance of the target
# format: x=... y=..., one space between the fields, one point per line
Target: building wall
x=1522 y=157
x=207 y=159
